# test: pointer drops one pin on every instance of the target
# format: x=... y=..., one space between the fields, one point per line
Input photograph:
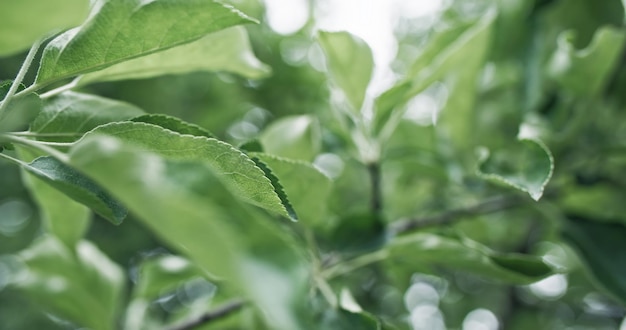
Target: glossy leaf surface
x=238 y=172
x=65 y=118
x=111 y=33
x=77 y=186
x=225 y=51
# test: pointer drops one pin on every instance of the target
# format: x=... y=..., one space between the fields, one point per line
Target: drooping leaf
x=23 y=22
x=18 y=113
x=457 y=51
x=306 y=187
x=296 y=137
x=188 y=207
x=119 y=30
x=237 y=170
x=425 y=249
x=77 y=186
x=601 y=247
x=228 y=51
x=350 y=64
x=65 y=118
x=62 y=216
x=80 y=284
x=526 y=165
x=586 y=71
x=173 y=124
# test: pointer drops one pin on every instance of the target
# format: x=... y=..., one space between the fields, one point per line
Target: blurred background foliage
x=556 y=68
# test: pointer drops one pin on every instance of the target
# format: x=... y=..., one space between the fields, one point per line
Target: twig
x=20 y=75
x=376 y=201
x=218 y=313
x=489 y=206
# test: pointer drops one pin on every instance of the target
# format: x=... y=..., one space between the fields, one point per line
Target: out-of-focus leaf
x=81 y=285
x=457 y=51
x=228 y=50
x=233 y=167
x=355 y=234
x=63 y=217
x=162 y=274
x=19 y=112
x=65 y=118
x=188 y=207
x=586 y=71
x=306 y=187
x=296 y=137
x=77 y=186
x=120 y=30
x=173 y=124
x=526 y=165
x=350 y=64
x=23 y=22
x=601 y=248
x=597 y=202
x=343 y=319
x=421 y=249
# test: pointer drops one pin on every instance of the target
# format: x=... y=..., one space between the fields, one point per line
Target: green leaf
x=228 y=51
x=344 y=319
x=188 y=207
x=458 y=51
x=600 y=246
x=173 y=124
x=76 y=186
x=163 y=274
x=587 y=71
x=278 y=188
x=25 y=21
x=63 y=217
x=417 y=250
x=598 y=202
x=80 y=284
x=350 y=64
x=237 y=170
x=119 y=30
x=308 y=189
x=65 y=118
x=295 y=137
x=526 y=165
x=19 y=112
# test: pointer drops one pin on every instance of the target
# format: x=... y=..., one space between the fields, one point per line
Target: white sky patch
x=371 y=20
x=286 y=16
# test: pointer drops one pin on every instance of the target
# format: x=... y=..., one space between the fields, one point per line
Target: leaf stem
x=220 y=312
x=20 y=75
x=60 y=89
x=36 y=145
x=13 y=160
x=356 y=263
x=488 y=206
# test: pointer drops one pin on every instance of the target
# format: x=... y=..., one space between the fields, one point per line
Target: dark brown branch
x=218 y=313
x=488 y=206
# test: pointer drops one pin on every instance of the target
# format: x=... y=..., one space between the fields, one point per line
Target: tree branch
x=218 y=313
x=488 y=206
